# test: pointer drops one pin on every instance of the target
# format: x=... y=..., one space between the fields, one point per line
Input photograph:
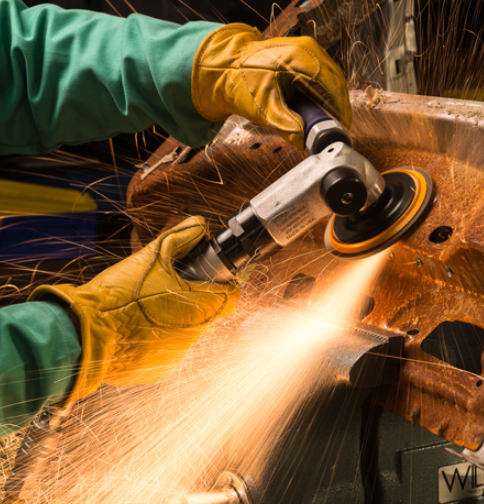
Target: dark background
x=253 y=12
x=450 y=39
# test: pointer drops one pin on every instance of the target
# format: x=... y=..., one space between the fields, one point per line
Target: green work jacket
x=68 y=77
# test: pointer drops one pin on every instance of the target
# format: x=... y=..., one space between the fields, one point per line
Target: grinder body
x=334 y=179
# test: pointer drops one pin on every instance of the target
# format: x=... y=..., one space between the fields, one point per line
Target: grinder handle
x=311 y=112
x=320 y=129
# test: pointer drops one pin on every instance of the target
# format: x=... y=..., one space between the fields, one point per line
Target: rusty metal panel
x=424 y=282
x=427 y=283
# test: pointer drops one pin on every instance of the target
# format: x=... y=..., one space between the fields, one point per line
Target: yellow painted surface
x=17 y=198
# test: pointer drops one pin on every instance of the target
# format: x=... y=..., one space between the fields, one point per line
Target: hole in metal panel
x=441 y=234
x=457 y=343
x=366 y=307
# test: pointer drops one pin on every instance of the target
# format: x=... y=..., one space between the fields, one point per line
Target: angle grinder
x=371 y=211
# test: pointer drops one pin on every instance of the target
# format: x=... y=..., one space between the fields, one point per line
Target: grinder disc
x=407 y=197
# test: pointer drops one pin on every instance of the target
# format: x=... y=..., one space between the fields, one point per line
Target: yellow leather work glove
x=139 y=318
x=237 y=71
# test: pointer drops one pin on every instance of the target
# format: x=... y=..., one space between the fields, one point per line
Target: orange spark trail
x=230 y=401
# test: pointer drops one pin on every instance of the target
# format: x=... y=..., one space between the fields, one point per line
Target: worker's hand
x=139 y=318
x=237 y=71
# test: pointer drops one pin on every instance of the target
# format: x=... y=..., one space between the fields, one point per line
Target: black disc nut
x=343 y=191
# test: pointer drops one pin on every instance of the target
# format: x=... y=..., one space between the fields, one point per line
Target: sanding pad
x=405 y=202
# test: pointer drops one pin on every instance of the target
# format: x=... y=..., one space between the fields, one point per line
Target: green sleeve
x=71 y=76
x=39 y=351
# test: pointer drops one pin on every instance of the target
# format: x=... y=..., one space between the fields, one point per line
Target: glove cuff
x=95 y=357
x=216 y=55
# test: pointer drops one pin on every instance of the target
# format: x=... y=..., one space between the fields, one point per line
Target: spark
x=230 y=399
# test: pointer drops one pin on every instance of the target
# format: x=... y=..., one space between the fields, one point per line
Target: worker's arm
x=71 y=76
x=39 y=352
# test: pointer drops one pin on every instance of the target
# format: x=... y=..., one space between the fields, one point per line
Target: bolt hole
x=478 y=383
x=441 y=234
x=413 y=332
x=255 y=146
x=276 y=150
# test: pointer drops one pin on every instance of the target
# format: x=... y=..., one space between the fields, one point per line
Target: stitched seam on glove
x=156 y=253
x=243 y=67
x=280 y=95
x=235 y=27
x=282 y=103
x=163 y=324
x=187 y=326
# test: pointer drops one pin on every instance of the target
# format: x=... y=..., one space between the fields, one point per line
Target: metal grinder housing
x=334 y=179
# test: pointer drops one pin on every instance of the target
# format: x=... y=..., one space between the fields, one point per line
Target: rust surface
x=427 y=283
x=423 y=283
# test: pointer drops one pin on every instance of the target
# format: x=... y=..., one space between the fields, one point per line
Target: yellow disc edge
x=396 y=227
